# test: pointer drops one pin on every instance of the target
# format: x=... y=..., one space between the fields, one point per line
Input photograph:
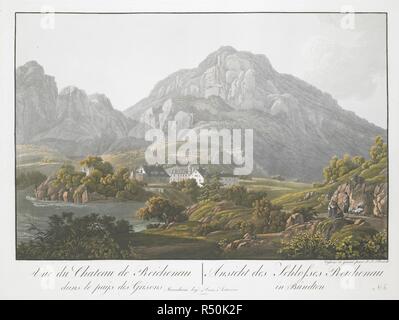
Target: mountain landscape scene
x=318 y=190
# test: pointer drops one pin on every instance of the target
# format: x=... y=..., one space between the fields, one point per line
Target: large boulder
x=48 y=190
x=78 y=193
x=296 y=218
x=330 y=226
x=85 y=196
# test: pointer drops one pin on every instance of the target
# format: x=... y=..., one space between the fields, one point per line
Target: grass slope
x=39 y=158
x=373 y=175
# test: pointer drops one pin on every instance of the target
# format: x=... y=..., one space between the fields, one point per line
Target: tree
x=340 y=167
x=358 y=161
x=237 y=194
x=68 y=177
x=271 y=216
x=134 y=187
x=88 y=237
x=161 y=209
x=101 y=179
x=91 y=162
x=33 y=178
x=253 y=196
x=117 y=180
x=211 y=190
x=378 y=150
x=92 y=181
x=189 y=187
x=97 y=163
x=262 y=208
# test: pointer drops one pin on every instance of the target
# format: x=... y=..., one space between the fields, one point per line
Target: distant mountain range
x=70 y=121
x=297 y=127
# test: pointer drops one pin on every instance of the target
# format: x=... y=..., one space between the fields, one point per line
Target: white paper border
x=15 y=278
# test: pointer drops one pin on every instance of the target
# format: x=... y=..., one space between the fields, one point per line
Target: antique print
x=251 y=136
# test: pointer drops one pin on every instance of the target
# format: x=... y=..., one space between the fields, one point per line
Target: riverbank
x=33 y=214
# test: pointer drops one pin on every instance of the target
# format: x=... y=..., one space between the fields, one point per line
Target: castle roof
x=155 y=171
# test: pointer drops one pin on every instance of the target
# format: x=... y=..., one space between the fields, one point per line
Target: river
x=36 y=212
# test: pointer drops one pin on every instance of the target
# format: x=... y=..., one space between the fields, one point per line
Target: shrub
x=349 y=248
x=271 y=217
x=377 y=246
x=352 y=248
x=163 y=210
x=379 y=150
x=88 y=237
x=247 y=227
x=211 y=190
x=101 y=178
x=306 y=245
x=33 y=178
x=366 y=165
x=189 y=187
x=340 y=167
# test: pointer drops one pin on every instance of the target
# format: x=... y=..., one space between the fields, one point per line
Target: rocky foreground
x=366 y=215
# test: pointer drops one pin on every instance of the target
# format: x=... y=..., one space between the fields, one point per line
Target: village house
x=150 y=174
x=86 y=170
x=181 y=173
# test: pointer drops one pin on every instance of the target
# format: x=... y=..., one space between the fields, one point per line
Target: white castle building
x=181 y=173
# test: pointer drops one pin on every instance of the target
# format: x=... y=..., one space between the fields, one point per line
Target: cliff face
x=49 y=191
x=364 y=198
x=297 y=128
x=36 y=97
x=241 y=79
x=70 y=120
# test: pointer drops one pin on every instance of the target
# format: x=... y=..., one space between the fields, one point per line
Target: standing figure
x=346 y=203
x=332 y=209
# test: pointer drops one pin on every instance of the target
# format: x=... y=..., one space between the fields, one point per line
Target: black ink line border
x=193 y=13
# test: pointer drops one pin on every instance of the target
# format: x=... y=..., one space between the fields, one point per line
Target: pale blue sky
x=124 y=56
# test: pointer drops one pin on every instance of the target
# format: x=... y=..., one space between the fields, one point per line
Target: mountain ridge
x=297 y=127
x=310 y=123
x=69 y=119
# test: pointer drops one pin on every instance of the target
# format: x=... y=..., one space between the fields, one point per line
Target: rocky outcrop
x=331 y=229
x=309 y=195
x=295 y=229
x=36 y=98
x=364 y=198
x=50 y=191
x=294 y=219
x=380 y=200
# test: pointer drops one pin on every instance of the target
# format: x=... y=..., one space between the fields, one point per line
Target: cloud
x=347 y=62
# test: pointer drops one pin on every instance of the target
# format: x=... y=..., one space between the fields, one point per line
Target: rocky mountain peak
x=32 y=74
x=101 y=101
x=240 y=78
x=31 y=67
x=70 y=120
x=36 y=97
x=71 y=91
x=247 y=58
